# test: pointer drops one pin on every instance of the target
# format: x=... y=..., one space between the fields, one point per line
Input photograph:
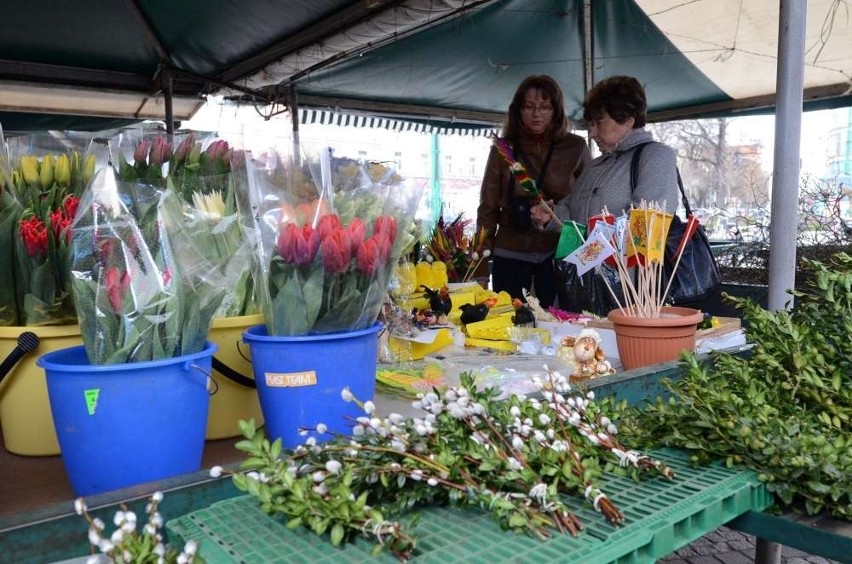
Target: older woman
x=537 y=129
x=615 y=111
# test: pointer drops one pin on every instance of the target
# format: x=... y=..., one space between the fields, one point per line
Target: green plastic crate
x=660 y=517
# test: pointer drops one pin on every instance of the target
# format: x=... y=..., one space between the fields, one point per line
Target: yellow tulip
x=46 y=173
x=89 y=169
x=29 y=168
x=62 y=172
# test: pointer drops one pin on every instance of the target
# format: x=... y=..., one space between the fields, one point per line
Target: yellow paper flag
x=658 y=223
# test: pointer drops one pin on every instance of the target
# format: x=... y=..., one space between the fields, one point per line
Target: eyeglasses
x=532 y=108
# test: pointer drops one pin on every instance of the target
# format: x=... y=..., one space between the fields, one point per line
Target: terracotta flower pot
x=643 y=340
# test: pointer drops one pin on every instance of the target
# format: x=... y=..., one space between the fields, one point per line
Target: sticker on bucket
x=92 y=399
x=291 y=379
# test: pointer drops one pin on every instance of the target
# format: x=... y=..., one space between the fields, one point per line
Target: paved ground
x=726 y=546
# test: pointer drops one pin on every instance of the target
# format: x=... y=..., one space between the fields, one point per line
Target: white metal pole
x=788 y=129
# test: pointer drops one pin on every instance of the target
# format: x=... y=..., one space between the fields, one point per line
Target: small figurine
x=473 y=313
x=589 y=358
x=439 y=300
x=524 y=314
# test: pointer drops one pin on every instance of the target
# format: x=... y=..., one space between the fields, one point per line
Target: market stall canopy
x=441 y=62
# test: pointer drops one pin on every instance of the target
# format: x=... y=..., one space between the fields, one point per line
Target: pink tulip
x=184 y=148
x=161 y=151
x=336 y=252
x=140 y=155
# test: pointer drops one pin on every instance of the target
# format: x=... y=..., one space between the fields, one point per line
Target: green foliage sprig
x=785 y=410
x=515 y=458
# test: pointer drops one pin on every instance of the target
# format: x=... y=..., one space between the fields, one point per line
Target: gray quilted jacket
x=606 y=181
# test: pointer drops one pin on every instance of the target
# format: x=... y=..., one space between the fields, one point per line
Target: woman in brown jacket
x=537 y=129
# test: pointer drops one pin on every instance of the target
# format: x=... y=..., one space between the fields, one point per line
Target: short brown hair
x=550 y=91
x=622 y=97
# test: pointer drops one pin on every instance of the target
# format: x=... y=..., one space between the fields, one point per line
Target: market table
x=54 y=533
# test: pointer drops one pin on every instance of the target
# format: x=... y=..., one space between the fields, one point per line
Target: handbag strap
x=634 y=176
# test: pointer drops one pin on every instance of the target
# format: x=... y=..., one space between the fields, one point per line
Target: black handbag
x=697 y=275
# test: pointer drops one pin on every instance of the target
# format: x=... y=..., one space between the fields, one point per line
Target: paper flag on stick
x=658 y=224
x=622 y=242
x=591 y=254
x=570 y=239
x=637 y=235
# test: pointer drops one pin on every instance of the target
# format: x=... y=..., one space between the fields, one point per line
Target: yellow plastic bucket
x=232 y=401
x=24 y=406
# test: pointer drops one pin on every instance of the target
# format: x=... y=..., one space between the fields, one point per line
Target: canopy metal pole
x=588 y=47
x=294 y=116
x=788 y=129
x=167 y=96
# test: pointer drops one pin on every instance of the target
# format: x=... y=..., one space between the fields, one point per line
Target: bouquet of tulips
x=209 y=176
x=37 y=207
x=328 y=232
x=146 y=286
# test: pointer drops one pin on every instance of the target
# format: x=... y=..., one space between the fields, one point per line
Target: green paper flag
x=92 y=399
x=570 y=239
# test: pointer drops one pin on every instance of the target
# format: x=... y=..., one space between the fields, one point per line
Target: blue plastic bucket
x=124 y=424
x=299 y=379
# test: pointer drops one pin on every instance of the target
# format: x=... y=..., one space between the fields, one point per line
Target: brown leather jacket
x=570 y=156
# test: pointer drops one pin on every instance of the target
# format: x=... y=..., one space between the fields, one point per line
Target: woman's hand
x=541 y=215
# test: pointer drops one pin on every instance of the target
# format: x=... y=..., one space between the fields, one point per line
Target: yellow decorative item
x=520 y=334
x=489 y=344
x=460 y=298
x=494 y=328
x=24 y=405
x=424 y=274
x=232 y=401
x=409 y=382
x=405 y=349
x=439 y=274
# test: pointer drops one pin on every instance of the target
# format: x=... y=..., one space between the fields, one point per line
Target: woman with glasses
x=615 y=111
x=537 y=129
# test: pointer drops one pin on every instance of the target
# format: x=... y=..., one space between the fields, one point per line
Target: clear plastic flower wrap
x=209 y=176
x=327 y=233
x=41 y=180
x=146 y=284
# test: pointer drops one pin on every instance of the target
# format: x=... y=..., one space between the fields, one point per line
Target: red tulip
x=385 y=247
x=327 y=224
x=116 y=283
x=297 y=245
x=368 y=258
x=336 y=252
x=71 y=203
x=33 y=233
x=387 y=225
x=60 y=224
x=356 y=231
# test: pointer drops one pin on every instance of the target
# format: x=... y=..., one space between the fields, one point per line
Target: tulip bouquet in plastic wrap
x=145 y=284
x=329 y=232
x=209 y=176
x=39 y=194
